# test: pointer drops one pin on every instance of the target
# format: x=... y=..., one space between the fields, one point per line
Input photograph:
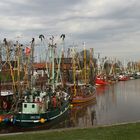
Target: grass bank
x=117 y=132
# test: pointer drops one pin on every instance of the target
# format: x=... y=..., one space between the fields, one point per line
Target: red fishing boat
x=100 y=81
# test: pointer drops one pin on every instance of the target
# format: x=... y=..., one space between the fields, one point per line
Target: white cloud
x=111 y=26
x=17 y=23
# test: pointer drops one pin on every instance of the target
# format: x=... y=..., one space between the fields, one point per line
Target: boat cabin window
x=25 y=105
x=33 y=106
x=37 y=100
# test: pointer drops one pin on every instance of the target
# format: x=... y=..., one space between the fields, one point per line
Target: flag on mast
x=27 y=51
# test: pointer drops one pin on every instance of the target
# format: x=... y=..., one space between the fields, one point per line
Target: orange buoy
x=0 y=119
x=42 y=120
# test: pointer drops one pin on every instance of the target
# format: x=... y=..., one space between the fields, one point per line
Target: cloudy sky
x=111 y=27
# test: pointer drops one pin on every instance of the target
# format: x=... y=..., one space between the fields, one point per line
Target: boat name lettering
x=35 y=117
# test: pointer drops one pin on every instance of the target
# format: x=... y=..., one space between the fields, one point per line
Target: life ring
x=4 y=104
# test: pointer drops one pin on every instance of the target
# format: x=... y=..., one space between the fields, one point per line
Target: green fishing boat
x=42 y=105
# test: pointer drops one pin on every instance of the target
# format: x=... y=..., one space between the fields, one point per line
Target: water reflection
x=84 y=115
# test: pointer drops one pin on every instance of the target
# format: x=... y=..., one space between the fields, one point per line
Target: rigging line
x=45 y=44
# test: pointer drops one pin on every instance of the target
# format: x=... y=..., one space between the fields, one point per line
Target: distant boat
x=123 y=78
x=100 y=82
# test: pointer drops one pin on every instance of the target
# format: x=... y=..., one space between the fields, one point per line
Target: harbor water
x=115 y=103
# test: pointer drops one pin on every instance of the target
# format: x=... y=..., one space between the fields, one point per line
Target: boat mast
x=31 y=70
x=32 y=54
x=52 y=51
x=91 y=65
x=85 y=62
x=18 y=60
x=0 y=66
x=47 y=66
x=9 y=62
x=74 y=72
x=61 y=56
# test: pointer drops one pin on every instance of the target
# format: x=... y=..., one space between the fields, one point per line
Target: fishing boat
x=79 y=83
x=101 y=78
x=46 y=104
x=6 y=114
x=6 y=92
x=100 y=82
x=43 y=107
x=123 y=77
x=84 y=93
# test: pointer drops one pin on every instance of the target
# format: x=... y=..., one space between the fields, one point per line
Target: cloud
x=111 y=27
